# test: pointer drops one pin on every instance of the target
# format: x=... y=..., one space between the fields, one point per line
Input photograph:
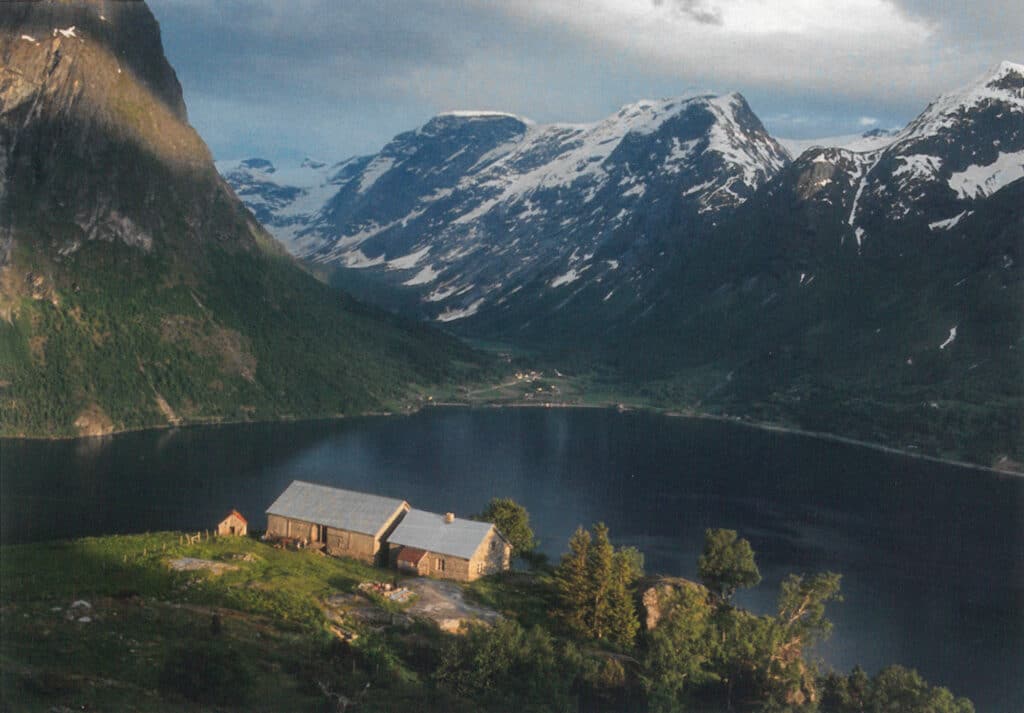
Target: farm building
x=410 y=560
x=343 y=522
x=233 y=524
x=448 y=547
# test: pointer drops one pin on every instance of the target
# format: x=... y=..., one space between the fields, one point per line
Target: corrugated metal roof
x=428 y=531
x=334 y=507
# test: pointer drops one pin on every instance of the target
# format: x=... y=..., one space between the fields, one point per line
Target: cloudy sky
x=335 y=78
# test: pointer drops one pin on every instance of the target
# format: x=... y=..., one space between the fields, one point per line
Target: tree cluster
x=703 y=653
x=596 y=585
x=894 y=688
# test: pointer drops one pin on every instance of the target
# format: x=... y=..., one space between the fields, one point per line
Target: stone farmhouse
x=447 y=546
x=387 y=532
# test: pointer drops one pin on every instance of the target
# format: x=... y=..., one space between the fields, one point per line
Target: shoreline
x=758 y=425
x=621 y=407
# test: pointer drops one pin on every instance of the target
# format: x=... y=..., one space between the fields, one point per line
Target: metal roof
x=428 y=531
x=334 y=507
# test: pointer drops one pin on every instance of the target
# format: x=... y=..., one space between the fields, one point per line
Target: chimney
x=449 y=517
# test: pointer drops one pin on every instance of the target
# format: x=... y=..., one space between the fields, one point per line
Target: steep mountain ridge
x=477 y=217
x=135 y=288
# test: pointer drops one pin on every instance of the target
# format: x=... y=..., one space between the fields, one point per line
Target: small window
x=439 y=564
x=494 y=545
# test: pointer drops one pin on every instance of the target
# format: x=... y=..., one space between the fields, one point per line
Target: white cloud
x=809 y=43
x=866 y=121
x=337 y=78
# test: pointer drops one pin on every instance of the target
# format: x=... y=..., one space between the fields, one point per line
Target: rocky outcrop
x=661 y=595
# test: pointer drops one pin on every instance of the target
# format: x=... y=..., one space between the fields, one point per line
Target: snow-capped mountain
x=868 y=293
x=495 y=224
x=963 y=147
x=483 y=211
x=285 y=199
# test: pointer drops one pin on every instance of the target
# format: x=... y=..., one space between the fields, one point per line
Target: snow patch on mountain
x=357 y=260
x=978 y=181
x=918 y=166
x=567 y=278
x=408 y=262
x=377 y=168
x=423 y=277
x=950 y=339
x=485 y=114
x=450 y=315
x=949 y=223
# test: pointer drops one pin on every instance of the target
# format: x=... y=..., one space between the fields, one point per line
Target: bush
x=208 y=671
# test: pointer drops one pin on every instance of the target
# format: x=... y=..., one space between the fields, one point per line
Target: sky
x=336 y=78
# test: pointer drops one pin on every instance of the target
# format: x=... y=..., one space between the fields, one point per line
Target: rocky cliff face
x=135 y=288
x=93 y=133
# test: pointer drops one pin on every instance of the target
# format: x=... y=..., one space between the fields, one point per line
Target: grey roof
x=429 y=531
x=334 y=507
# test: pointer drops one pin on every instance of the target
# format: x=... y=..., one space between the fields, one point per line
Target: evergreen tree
x=599 y=573
x=573 y=582
x=624 y=624
x=596 y=586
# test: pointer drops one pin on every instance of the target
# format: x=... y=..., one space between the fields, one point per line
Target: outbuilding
x=411 y=560
x=448 y=547
x=233 y=524
x=343 y=522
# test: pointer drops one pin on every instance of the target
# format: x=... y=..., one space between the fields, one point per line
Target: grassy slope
x=142 y=612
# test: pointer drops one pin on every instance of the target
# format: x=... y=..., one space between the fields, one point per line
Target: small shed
x=233 y=524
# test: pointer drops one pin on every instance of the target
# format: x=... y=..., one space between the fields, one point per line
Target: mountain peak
x=1009 y=77
x=258 y=164
x=127 y=32
x=483 y=115
x=1006 y=67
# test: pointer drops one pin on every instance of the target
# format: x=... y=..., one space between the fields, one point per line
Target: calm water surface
x=932 y=556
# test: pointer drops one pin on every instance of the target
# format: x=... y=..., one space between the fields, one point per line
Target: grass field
x=148 y=642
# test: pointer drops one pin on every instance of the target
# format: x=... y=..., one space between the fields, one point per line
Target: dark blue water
x=932 y=555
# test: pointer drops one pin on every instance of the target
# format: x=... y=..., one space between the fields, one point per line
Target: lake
x=932 y=555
